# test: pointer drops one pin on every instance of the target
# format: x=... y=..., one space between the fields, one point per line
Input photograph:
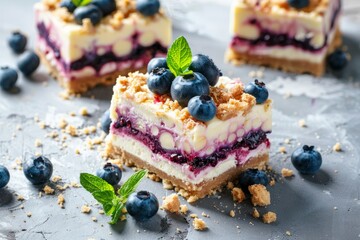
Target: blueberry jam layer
x=96 y=61
x=249 y=142
x=271 y=39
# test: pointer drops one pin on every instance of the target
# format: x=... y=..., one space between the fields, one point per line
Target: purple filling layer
x=249 y=142
x=96 y=61
x=271 y=39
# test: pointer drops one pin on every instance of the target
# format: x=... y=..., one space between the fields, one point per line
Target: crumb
x=255 y=213
x=83 y=111
x=192 y=199
x=124 y=210
x=20 y=198
x=29 y=214
x=153 y=177
x=288 y=233
x=193 y=215
x=62 y=123
x=171 y=203
x=38 y=143
x=48 y=190
x=205 y=215
x=285 y=172
x=123 y=218
x=77 y=151
x=72 y=114
x=85 y=209
x=232 y=213
x=56 y=179
x=272 y=182
x=42 y=125
x=282 y=150
x=230 y=185
x=75 y=185
x=302 y=123
x=337 y=147
x=238 y=195
x=287 y=141
x=94 y=219
x=167 y=184
x=269 y=217
x=70 y=129
x=184 y=209
x=61 y=200
x=101 y=211
x=18 y=127
x=199 y=224
x=260 y=196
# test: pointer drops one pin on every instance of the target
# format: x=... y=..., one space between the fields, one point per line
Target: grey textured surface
x=324 y=206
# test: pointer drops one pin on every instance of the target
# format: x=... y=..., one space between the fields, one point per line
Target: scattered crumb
x=269 y=217
x=288 y=233
x=70 y=129
x=20 y=198
x=94 y=219
x=255 y=213
x=184 y=209
x=18 y=127
x=101 y=211
x=167 y=184
x=85 y=209
x=38 y=143
x=123 y=218
x=56 y=179
x=62 y=123
x=199 y=224
x=42 y=125
x=83 y=111
x=260 y=196
x=282 y=150
x=238 y=195
x=287 y=141
x=230 y=185
x=192 y=199
x=285 y=172
x=61 y=200
x=205 y=215
x=193 y=215
x=337 y=147
x=48 y=190
x=232 y=213
x=77 y=151
x=153 y=177
x=29 y=214
x=272 y=182
x=171 y=203
x=302 y=123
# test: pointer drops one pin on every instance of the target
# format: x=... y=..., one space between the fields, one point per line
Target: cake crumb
x=238 y=194
x=255 y=213
x=199 y=224
x=288 y=233
x=259 y=195
x=48 y=190
x=85 y=209
x=70 y=129
x=205 y=215
x=282 y=150
x=167 y=184
x=272 y=182
x=285 y=172
x=153 y=177
x=61 y=200
x=337 y=147
x=42 y=125
x=230 y=185
x=20 y=198
x=232 y=213
x=184 y=209
x=38 y=143
x=56 y=179
x=193 y=215
x=94 y=219
x=171 y=203
x=123 y=218
x=269 y=217
x=84 y=112
x=29 y=214
x=62 y=123
x=101 y=211
x=302 y=123
x=192 y=199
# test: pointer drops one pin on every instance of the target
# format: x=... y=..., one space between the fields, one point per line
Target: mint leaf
x=79 y=3
x=94 y=184
x=179 y=56
x=131 y=184
x=117 y=212
x=106 y=198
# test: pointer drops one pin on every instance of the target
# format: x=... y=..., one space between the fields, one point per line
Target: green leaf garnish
x=179 y=57
x=104 y=193
x=79 y=3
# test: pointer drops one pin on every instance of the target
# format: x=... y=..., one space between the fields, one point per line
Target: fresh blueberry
x=298 y=3
x=89 y=11
x=38 y=170
x=4 y=176
x=306 y=160
x=159 y=80
x=17 y=42
x=28 y=63
x=183 y=88
x=258 y=90
x=202 y=108
x=69 y=5
x=156 y=63
x=251 y=177
x=337 y=60
x=148 y=7
x=110 y=173
x=8 y=78
x=204 y=65
x=106 y=6
x=142 y=205
x=106 y=122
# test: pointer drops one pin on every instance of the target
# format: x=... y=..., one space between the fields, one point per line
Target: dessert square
x=156 y=133
x=81 y=56
x=275 y=34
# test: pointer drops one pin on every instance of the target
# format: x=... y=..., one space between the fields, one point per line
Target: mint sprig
x=104 y=193
x=79 y=3
x=179 y=57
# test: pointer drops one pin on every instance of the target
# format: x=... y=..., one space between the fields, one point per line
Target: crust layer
x=295 y=66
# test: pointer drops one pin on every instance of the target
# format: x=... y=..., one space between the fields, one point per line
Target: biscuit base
x=287 y=65
x=187 y=189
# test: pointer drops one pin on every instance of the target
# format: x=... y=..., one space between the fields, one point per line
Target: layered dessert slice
x=197 y=131
x=92 y=43
x=292 y=35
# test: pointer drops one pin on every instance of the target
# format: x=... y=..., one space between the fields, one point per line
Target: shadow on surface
x=6 y=197
x=321 y=177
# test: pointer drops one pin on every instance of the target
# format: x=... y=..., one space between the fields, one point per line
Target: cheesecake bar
x=94 y=51
x=155 y=132
x=280 y=35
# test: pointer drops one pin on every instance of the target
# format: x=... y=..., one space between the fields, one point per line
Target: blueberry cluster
x=98 y=9
x=189 y=90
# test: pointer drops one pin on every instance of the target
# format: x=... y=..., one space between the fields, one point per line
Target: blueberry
x=106 y=6
x=28 y=63
x=106 y=122
x=251 y=177
x=89 y=11
x=204 y=65
x=17 y=42
x=258 y=90
x=159 y=80
x=4 y=176
x=156 y=62
x=183 y=88
x=110 y=173
x=38 y=170
x=69 y=5
x=202 y=108
x=337 y=60
x=298 y=3
x=8 y=78
x=148 y=7
x=142 y=205
x=306 y=160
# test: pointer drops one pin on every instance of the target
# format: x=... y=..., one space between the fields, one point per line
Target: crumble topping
x=285 y=172
x=171 y=203
x=238 y=195
x=259 y=195
x=199 y=224
x=269 y=217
